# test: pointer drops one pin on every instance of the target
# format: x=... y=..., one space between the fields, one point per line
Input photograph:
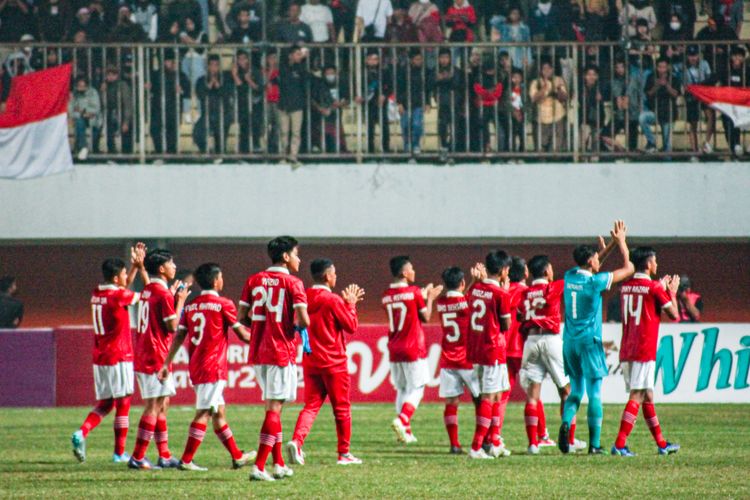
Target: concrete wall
x=665 y=200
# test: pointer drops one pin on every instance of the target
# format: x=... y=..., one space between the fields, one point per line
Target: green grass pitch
x=36 y=461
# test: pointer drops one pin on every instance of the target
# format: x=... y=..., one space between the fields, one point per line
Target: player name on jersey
x=399 y=297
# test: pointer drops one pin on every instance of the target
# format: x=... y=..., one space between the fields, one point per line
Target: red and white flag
x=34 y=127
x=732 y=101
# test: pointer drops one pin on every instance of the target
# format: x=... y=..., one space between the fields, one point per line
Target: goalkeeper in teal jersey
x=583 y=355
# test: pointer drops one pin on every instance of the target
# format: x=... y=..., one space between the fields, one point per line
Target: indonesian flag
x=732 y=101
x=34 y=127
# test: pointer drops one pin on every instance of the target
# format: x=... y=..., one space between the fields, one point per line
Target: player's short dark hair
x=538 y=266
x=397 y=264
x=582 y=254
x=155 y=259
x=6 y=282
x=182 y=274
x=206 y=274
x=640 y=257
x=452 y=277
x=280 y=245
x=111 y=267
x=496 y=261
x=517 y=272
x=318 y=268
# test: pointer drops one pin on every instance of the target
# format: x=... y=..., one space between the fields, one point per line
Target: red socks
x=195 y=436
x=96 y=415
x=122 y=422
x=541 y=430
x=531 y=419
x=161 y=436
x=649 y=413
x=268 y=434
x=450 y=417
x=344 y=434
x=572 y=433
x=629 y=415
x=484 y=417
x=227 y=439
x=500 y=415
x=145 y=433
x=407 y=411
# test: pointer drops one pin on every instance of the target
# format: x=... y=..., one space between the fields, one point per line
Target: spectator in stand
x=518 y=111
x=675 y=31
x=732 y=12
x=330 y=97
x=377 y=85
x=684 y=9
x=449 y=90
x=293 y=98
x=698 y=72
x=413 y=94
x=631 y=12
x=488 y=92
x=246 y=29
x=689 y=302
x=180 y=10
x=16 y=19
x=716 y=55
x=372 y=19
x=214 y=91
x=170 y=31
x=53 y=20
x=591 y=113
x=85 y=110
x=118 y=108
x=146 y=15
x=343 y=18
x=635 y=101
x=595 y=21
x=254 y=29
x=16 y=63
x=92 y=26
x=550 y=21
x=271 y=83
x=738 y=75
x=51 y=57
x=461 y=19
x=401 y=29
x=513 y=29
x=473 y=75
x=193 y=60
x=549 y=94
x=641 y=49
x=292 y=29
x=11 y=309
x=126 y=31
x=319 y=18
x=426 y=17
x=168 y=87
x=662 y=89
x=622 y=118
x=248 y=82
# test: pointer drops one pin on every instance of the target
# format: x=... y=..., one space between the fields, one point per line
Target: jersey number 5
x=449 y=321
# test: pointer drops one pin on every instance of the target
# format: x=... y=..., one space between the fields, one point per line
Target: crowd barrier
x=698 y=363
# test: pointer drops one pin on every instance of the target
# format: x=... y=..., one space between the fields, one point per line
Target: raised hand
x=138 y=254
x=432 y=292
x=674 y=283
x=602 y=243
x=620 y=231
x=353 y=294
x=479 y=271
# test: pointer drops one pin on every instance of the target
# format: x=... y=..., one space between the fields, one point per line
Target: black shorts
x=693 y=109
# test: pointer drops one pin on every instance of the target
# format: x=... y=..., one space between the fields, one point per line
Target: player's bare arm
x=178 y=340
x=242 y=333
x=243 y=316
x=619 y=234
x=181 y=294
x=671 y=285
x=431 y=292
x=303 y=319
x=605 y=249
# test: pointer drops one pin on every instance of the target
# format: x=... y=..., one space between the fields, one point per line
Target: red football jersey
x=488 y=302
x=113 y=342
x=153 y=340
x=454 y=320
x=642 y=300
x=403 y=303
x=513 y=338
x=272 y=296
x=207 y=320
x=540 y=306
x=330 y=318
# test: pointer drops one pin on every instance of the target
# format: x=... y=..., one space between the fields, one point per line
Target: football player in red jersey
x=539 y=316
x=158 y=317
x=206 y=321
x=490 y=318
x=456 y=373
x=407 y=307
x=332 y=319
x=643 y=299
x=113 y=351
x=271 y=300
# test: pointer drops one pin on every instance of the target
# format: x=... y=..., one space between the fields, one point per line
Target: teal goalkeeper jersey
x=583 y=303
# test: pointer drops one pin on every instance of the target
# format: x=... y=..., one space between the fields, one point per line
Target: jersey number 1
x=96 y=314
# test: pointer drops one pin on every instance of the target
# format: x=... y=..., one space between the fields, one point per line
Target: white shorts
x=542 y=355
x=638 y=375
x=209 y=396
x=492 y=378
x=409 y=375
x=151 y=387
x=277 y=382
x=113 y=381
x=453 y=381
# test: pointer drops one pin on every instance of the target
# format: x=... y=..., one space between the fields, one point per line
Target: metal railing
x=569 y=102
